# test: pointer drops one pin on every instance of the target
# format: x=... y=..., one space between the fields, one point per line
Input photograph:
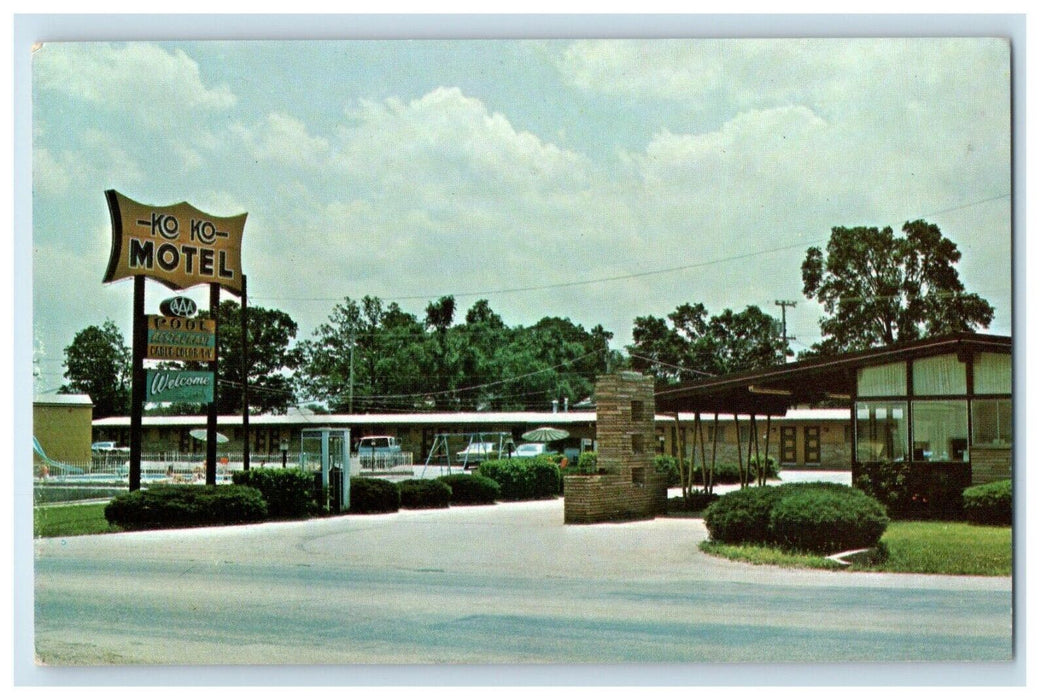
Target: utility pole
x=785 y=337
x=352 y=351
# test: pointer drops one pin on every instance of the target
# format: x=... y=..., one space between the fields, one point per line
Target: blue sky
x=585 y=172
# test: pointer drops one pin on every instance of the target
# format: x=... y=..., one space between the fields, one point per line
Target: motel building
x=940 y=406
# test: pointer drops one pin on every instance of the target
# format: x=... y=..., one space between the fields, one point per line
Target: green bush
x=368 y=495
x=424 y=493
x=815 y=517
x=525 y=479
x=471 y=489
x=586 y=463
x=989 y=504
x=186 y=506
x=287 y=492
x=915 y=491
x=824 y=521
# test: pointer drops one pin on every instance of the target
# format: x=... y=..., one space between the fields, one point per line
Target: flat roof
x=63 y=400
x=341 y=419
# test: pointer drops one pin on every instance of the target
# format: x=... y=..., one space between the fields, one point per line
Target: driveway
x=478 y=585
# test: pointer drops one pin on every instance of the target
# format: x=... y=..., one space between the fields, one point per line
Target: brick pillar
x=627 y=486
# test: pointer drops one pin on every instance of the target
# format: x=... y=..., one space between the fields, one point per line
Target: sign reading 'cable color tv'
x=187 y=339
x=176 y=245
x=190 y=387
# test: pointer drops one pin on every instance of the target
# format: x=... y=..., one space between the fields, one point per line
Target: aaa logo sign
x=167 y=385
x=178 y=245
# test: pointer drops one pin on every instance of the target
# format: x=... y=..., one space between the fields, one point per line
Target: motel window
x=885 y=380
x=992 y=373
x=882 y=431
x=939 y=431
x=992 y=422
x=942 y=375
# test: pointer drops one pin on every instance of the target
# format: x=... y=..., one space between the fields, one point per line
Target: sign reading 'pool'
x=190 y=387
x=177 y=245
x=185 y=339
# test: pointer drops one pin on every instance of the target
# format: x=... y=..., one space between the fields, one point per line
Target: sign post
x=179 y=246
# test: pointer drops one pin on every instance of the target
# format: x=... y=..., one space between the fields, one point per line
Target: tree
x=879 y=289
x=98 y=363
x=695 y=345
x=270 y=358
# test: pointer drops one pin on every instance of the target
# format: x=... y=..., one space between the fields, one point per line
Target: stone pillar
x=626 y=486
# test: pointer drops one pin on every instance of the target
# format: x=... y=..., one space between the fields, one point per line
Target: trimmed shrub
x=424 y=493
x=287 y=492
x=744 y=515
x=827 y=520
x=913 y=491
x=586 y=463
x=668 y=465
x=471 y=489
x=817 y=517
x=368 y=495
x=526 y=479
x=989 y=504
x=186 y=506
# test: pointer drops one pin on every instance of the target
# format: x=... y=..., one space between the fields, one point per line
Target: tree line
x=370 y=356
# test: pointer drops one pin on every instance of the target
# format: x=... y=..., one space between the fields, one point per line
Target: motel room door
x=812 y=444
x=787 y=454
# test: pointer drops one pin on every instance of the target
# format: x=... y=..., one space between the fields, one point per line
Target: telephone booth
x=326 y=450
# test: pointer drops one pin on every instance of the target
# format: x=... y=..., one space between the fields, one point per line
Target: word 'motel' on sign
x=178 y=245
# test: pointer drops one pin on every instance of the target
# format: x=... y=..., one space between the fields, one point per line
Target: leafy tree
x=270 y=358
x=696 y=345
x=98 y=363
x=366 y=357
x=878 y=289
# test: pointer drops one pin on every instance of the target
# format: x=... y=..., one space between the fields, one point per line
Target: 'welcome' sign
x=169 y=385
x=178 y=245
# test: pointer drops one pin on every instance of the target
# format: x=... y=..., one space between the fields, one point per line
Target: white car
x=532 y=449
x=479 y=452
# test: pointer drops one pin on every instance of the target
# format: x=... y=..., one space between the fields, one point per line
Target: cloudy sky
x=599 y=180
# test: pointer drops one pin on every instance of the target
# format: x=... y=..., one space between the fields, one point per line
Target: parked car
x=378 y=450
x=481 y=451
x=532 y=449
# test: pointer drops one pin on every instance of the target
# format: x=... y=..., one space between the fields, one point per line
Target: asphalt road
x=484 y=585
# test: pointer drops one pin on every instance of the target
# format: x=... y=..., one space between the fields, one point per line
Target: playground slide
x=54 y=467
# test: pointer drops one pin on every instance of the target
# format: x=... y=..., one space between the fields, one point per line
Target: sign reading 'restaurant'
x=172 y=338
x=176 y=245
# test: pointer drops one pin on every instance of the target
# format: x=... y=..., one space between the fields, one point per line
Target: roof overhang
x=823 y=380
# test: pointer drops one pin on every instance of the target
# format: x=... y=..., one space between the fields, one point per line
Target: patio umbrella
x=545 y=435
x=201 y=434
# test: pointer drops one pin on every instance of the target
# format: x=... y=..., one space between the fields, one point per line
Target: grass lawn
x=918 y=547
x=68 y=521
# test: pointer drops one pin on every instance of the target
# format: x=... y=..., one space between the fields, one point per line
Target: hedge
x=989 y=504
x=186 y=506
x=722 y=472
x=368 y=495
x=816 y=517
x=913 y=491
x=424 y=493
x=826 y=521
x=471 y=489
x=288 y=493
x=524 y=479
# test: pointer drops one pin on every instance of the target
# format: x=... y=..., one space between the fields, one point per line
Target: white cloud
x=284 y=140
x=159 y=88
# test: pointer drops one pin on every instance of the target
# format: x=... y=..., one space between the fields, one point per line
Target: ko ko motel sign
x=178 y=245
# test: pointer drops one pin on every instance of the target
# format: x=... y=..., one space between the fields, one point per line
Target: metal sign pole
x=243 y=374
x=138 y=342
x=212 y=408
